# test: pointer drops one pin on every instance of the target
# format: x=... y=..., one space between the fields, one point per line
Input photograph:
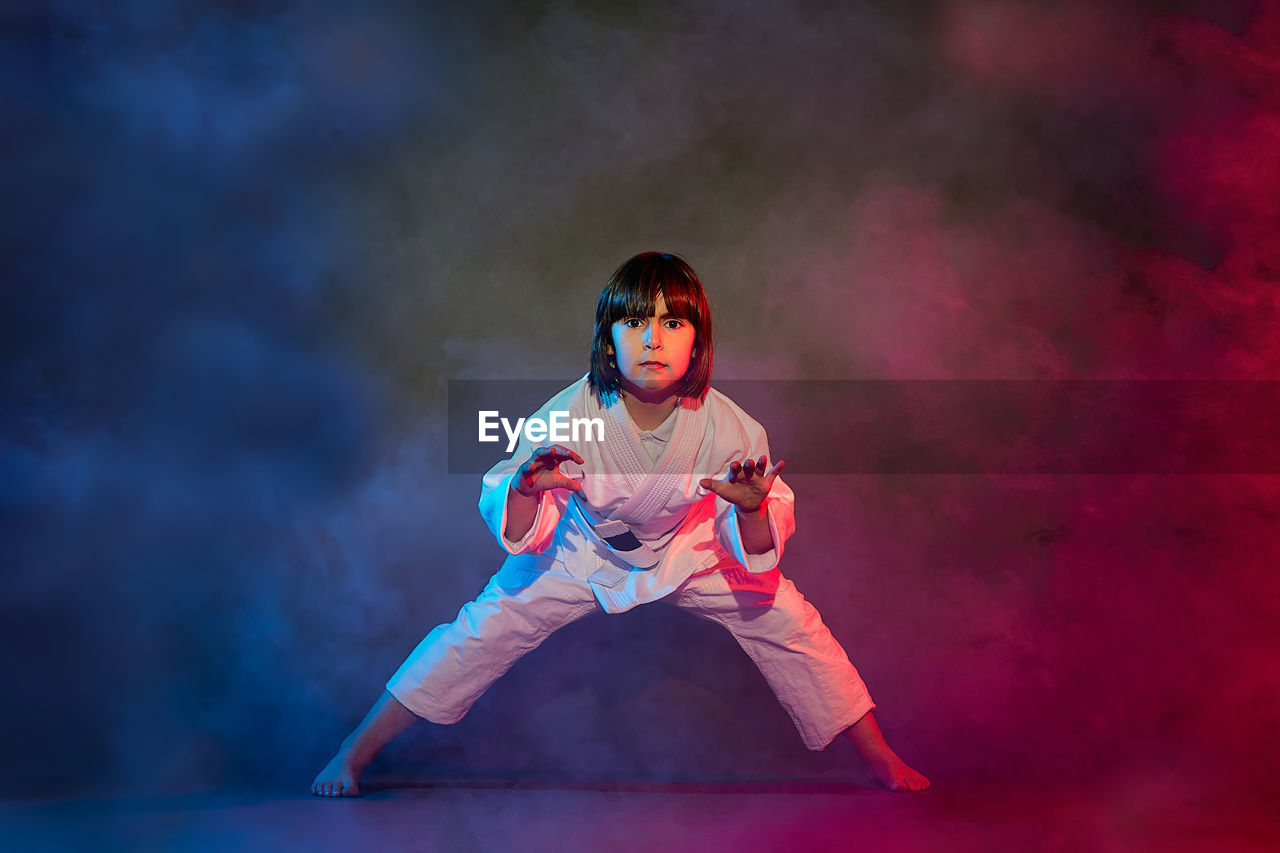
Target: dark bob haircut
x=631 y=292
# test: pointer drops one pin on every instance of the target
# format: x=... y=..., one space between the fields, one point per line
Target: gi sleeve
x=779 y=507
x=497 y=484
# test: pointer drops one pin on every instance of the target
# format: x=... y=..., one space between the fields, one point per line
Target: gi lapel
x=625 y=453
x=650 y=490
x=673 y=467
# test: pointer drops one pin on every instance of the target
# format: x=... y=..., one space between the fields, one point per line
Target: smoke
x=248 y=243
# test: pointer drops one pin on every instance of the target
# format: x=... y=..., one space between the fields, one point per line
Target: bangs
x=636 y=300
x=633 y=292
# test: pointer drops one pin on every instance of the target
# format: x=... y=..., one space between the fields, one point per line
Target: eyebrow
x=667 y=316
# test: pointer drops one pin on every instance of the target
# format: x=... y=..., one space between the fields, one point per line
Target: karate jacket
x=688 y=527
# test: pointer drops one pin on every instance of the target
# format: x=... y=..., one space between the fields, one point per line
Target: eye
x=675 y=324
x=632 y=322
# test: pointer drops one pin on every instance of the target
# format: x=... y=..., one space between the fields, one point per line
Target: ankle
x=353 y=751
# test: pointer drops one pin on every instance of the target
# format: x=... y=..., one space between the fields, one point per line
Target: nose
x=653 y=336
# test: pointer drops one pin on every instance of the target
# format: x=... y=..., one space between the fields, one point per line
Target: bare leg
x=386 y=719
x=890 y=770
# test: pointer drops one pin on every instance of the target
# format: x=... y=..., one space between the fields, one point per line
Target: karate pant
x=778 y=629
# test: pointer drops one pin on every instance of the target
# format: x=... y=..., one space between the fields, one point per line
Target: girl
x=677 y=502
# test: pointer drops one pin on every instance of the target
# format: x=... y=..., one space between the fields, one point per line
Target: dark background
x=247 y=244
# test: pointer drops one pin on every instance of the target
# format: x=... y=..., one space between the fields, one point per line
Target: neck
x=650 y=410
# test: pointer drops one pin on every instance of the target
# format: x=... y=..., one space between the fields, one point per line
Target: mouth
x=652 y=364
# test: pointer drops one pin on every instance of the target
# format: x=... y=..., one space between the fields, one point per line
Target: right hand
x=541 y=472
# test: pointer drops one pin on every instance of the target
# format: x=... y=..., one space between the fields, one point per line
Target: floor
x=450 y=815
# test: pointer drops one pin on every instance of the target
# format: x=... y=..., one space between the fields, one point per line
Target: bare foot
x=339 y=777
x=889 y=769
x=892 y=772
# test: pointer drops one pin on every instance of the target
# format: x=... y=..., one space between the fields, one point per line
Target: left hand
x=747 y=484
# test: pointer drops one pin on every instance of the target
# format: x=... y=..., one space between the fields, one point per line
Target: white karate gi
x=561 y=570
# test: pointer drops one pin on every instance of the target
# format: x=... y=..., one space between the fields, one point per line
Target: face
x=653 y=353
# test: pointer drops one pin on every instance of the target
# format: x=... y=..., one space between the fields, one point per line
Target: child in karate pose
x=677 y=503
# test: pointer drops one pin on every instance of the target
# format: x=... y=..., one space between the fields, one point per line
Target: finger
x=551 y=457
x=563 y=482
x=564 y=454
x=762 y=463
x=776 y=469
x=717 y=486
x=546 y=456
x=748 y=468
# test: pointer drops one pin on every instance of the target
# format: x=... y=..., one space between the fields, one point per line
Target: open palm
x=747 y=483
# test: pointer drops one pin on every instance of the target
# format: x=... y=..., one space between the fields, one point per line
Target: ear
x=608 y=349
